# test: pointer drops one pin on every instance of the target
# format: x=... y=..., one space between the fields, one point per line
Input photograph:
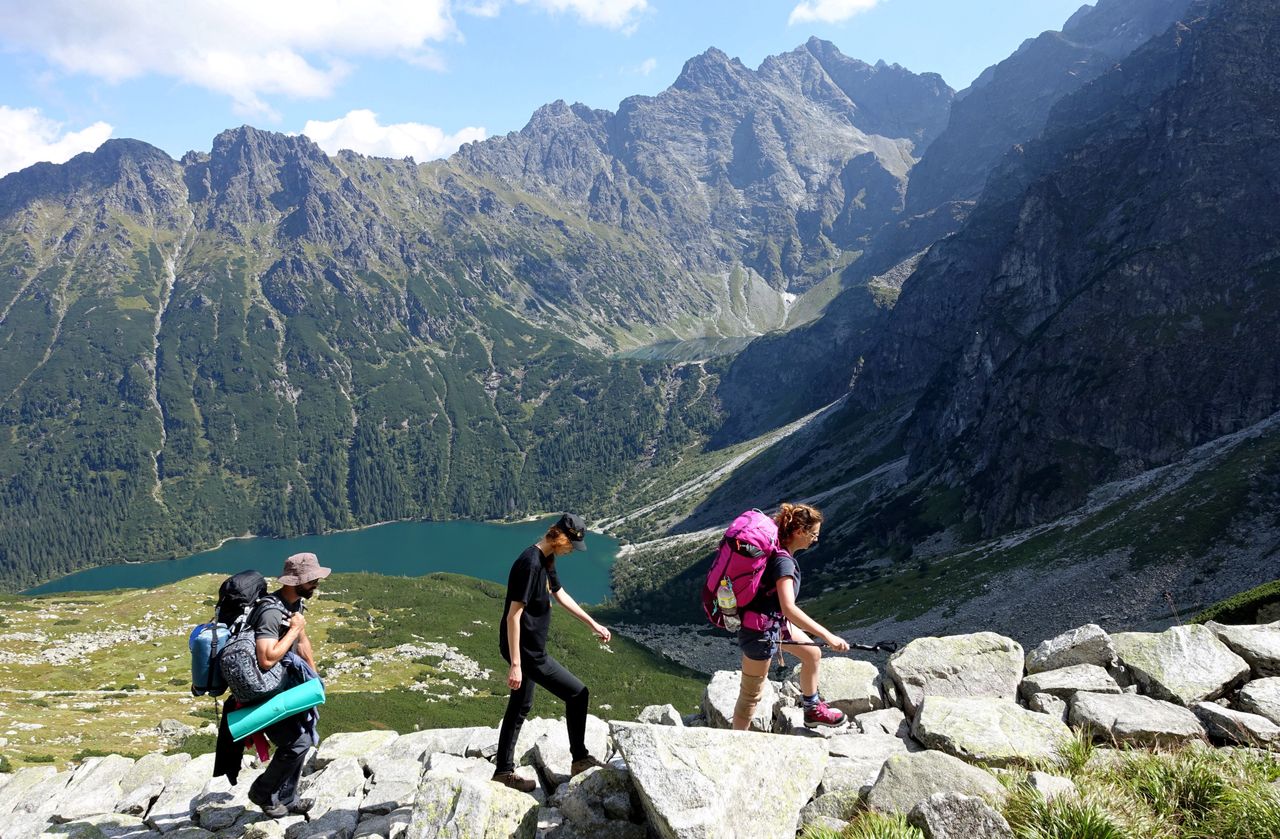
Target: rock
x=338 y=822
x=174 y=730
x=1257 y=644
x=550 y=753
x=660 y=715
x=103 y=826
x=1051 y=786
x=991 y=731
x=146 y=779
x=953 y=815
x=1237 y=727
x=418 y=745
x=790 y=720
x=601 y=802
x=390 y=826
x=848 y=684
x=1261 y=696
x=1087 y=644
x=272 y=828
x=20 y=785
x=23 y=825
x=1139 y=720
x=395 y=783
x=484 y=743
x=826 y=823
x=887 y=721
x=838 y=806
x=550 y=822
x=980 y=665
x=856 y=759
x=176 y=804
x=219 y=805
x=340 y=780
x=44 y=796
x=458 y=806
x=906 y=780
x=355 y=744
x=722 y=694
x=1065 y=681
x=1183 y=664
x=686 y=791
x=1045 y=703
x=93 y=789
x=442 y=763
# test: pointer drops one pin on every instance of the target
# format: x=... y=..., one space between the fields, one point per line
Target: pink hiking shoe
x=823 y=714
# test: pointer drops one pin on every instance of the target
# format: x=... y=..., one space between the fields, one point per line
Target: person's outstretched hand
x=603 y=633
x=837 y=644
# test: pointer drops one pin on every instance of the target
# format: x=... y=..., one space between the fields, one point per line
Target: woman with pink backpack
x=771 y=620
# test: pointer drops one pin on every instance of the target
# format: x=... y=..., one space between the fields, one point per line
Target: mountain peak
x=712 y=68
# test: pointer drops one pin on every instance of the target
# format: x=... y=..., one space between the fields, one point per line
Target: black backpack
x=238 y=599
x=237 y=595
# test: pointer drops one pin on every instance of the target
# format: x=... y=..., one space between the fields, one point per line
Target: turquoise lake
x=406 y=549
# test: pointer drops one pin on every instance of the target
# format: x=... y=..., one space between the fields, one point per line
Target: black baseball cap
x=575 y=528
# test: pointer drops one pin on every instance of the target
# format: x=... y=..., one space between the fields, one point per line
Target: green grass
x=1243 y=607
x=869 y=825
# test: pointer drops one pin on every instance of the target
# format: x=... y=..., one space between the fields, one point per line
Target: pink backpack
x=743 y=554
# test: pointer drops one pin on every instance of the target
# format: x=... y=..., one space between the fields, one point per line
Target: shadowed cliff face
x=1112 y=300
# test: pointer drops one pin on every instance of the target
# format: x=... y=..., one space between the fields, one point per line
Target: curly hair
x=792 y=518
x=557 y=538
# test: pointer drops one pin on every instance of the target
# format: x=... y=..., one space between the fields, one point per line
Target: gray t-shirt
x=270 y=622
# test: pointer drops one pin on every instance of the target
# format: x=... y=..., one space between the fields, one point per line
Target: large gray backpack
x=249 y=683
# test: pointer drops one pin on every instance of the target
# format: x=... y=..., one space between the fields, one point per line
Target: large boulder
x=176 y=805
x=1044 y=703
x=856 y=759
x=338 y=822
x=906 y=780
x=991 y=731
x=93 y=789
x=983 y=664
x=953 y=815
x=885 y=721
x=848 y=684
x=23 y=826
x=602 y=802
x=1087 y=644
x=20 y=785
x=1257 y=644
x=219 y=805
x=722 y=694
x=101 y=826
x=355 y=744
x=326 y=789
x=1065 y=681
x=1139 y=720
x=1237 y=727
x=394 y=783
x=1183 y=664
x=834 y=806
x=1261 y=696
x=660 y=715
x=45 y=795
x=458 y=806
x=418 y=745
x=694 y=782
x=146 y=779
x=443 y=763
x=550 y=752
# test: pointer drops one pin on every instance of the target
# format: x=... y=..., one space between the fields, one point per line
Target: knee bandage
x=749 y=694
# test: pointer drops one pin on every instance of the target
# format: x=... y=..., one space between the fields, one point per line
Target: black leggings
x=552 y=675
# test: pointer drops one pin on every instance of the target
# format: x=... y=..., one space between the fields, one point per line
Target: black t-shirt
x=781 y=564
x=532 y=581
x=269 y=621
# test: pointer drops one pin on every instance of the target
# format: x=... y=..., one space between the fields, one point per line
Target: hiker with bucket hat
x=277 y=634
x=522 y=639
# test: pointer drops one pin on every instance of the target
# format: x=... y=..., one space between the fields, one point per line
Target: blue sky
x=393 y=77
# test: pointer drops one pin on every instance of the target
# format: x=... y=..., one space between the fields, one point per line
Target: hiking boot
x=274 y=809
x=514 y=781
x=300 y=806
x=582 y=764
x=821 y=713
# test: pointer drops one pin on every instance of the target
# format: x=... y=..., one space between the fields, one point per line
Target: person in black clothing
x=522 y=640
x=276 y=633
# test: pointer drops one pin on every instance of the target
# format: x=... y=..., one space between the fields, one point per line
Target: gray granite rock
x=906 y=780
x=1262 y=697
x=23 y=825
x=1087 y=644
x=839 y=806
x=146 y=779
x=359 y=745
x=342 y=779
x=1237 y=727
x=1051 y=786
x=1044 y=703
x=337 y=822
x=1258 y=644
x=992 y=731
x=687 y=792
x=103 y=826
x=19 y=787
x=220 y=805
x=983 y=664
x=44 y=796
x=394 y=784
x=1183 y=664
x=1138 y=720
x=885 y=721
x=458 y=806
x=176 y=805
x=601 y=802
x=93 y=789
x=473 y=767
x=660 y=715
x=1065 y=681
x=953 y=815
x=856 y=759
x=851 y=685
x=722 y=694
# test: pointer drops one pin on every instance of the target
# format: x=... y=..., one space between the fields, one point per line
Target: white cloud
x=481 y=8
x=611 y=14
x=361 y=132
x=828 y=11
x=26 y=137
x=245 y=49
x=647 y=66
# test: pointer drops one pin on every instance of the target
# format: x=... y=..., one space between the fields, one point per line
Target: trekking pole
x=877 y=647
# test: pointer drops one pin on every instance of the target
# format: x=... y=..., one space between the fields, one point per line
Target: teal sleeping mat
x=245 y=721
